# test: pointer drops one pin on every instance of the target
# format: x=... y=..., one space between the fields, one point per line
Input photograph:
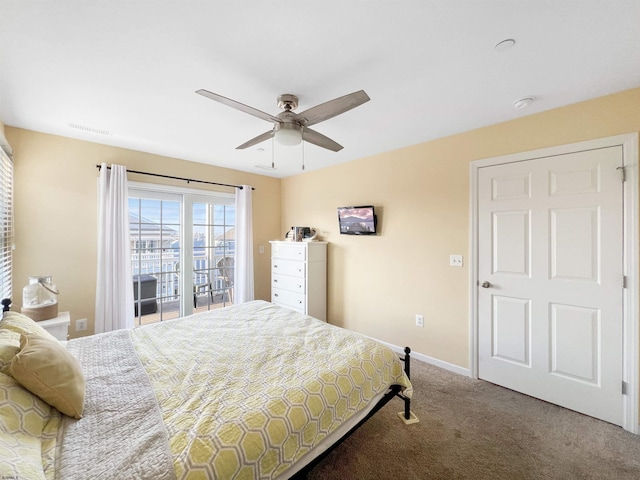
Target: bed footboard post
x=407 y=369
x=407 y=362
x=6 y=304
x=407 y=416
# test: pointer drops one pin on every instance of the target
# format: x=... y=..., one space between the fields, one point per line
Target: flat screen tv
x=357 y=220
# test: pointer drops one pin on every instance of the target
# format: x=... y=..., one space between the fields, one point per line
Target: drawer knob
x=275 y=294
x=275 y=280
x=275 y=266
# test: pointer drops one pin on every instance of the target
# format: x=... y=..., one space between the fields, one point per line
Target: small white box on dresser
x=59 y=326
x=299 y=277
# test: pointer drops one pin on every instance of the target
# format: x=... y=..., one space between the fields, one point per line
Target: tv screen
x=357 y=220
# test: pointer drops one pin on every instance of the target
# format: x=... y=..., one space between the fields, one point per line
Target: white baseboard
x=430 y=360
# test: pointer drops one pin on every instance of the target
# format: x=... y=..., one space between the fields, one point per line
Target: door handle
x=485 y=284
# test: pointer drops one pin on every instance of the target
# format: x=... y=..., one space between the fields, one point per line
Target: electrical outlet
x=419 y=320
x=81 y=324
x=455 y=260
x=261 y=248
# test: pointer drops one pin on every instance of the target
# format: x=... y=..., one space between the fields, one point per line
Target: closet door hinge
x=624 y=281
x=623 y=174
x=624 y=388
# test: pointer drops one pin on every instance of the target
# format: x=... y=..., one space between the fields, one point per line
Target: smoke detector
x=504 y=45
x=523 y=103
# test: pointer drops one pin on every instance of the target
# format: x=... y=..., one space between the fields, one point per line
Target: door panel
x=511 y=329
x=213 y=243
x=154 y=226
x=574 y=244
x=574 y=342
x=551 y=249
x=511 y=243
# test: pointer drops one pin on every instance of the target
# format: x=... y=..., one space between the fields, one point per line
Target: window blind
x=6 y=223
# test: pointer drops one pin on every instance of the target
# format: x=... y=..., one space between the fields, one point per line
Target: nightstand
x=59 y=326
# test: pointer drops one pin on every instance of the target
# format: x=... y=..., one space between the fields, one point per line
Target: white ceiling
x=131 y=68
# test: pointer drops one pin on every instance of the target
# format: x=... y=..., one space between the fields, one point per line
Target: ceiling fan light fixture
x=289 y=127
x=288 y=134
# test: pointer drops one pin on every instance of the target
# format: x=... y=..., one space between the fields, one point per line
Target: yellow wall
x=56 y=212
x=376 y=285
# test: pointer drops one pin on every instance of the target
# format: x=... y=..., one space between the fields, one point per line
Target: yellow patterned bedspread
x=247 y=390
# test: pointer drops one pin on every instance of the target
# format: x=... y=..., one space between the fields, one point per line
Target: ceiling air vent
x=84 y=128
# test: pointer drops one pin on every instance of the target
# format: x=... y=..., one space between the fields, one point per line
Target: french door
x=212 y=254
x=182 y=251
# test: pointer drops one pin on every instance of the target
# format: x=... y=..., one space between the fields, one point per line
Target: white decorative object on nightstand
x=59 y=326
x=299 y=277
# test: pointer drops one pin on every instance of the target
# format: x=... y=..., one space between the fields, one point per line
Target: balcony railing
x=165 y=268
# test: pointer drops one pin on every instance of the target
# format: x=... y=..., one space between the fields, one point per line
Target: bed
x=253 y=391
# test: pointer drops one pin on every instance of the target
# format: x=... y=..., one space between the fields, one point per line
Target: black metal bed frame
x=394 y=391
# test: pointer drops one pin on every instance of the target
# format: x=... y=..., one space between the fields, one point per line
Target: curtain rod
x=188 y=180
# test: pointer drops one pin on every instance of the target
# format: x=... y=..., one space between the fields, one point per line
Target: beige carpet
x=470 y=429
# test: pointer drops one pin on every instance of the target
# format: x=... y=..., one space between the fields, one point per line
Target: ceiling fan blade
x=320 y=140
x=238 y=106
x=254 y=141
x=332 y=108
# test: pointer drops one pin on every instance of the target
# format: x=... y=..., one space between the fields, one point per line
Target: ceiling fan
x=289 y=127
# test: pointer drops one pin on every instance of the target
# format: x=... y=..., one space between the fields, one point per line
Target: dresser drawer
x=287 y=298
x=287 y=267
x=285 y=282
x=289 y=251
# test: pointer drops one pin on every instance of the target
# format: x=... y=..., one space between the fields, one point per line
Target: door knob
x=485 y=284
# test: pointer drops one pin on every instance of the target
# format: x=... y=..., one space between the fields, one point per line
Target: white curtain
x=114 y=285
x=243 y=288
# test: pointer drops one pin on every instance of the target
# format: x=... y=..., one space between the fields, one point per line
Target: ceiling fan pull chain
x=273 y=148
x=303 y=142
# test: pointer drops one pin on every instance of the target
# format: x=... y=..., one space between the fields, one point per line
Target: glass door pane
x=213 y=255
x=155 y=258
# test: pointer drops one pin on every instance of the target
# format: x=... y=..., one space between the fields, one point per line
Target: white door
x=550 y=269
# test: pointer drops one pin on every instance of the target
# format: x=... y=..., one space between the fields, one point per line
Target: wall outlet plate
x=419 y=320
x=455 y=260
x=81 y=324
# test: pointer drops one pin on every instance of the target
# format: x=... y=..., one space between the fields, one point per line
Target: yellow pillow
x=16 y=322
x=9 y=346
x=48 y=370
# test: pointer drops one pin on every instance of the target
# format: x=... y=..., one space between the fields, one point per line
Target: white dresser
x=299 y=277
